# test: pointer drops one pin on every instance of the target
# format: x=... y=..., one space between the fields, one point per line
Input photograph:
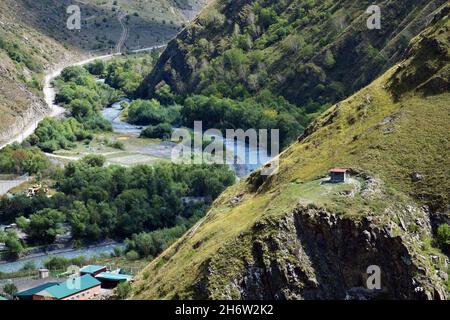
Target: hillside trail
x=124 y=35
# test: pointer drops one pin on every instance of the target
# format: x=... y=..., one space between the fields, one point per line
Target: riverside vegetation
x=142 y=203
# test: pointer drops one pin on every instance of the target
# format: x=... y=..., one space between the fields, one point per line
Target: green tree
x=94 y=160
x=132 y=255
x=123 y=290
x=329 y=61
x=45 y=225
x=147 y=112
x=22 y=222
x=443 y=237
x=97 y=68
x=10 y=289
x=161 y=131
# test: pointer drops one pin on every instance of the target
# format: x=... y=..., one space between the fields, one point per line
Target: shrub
x=117 y=145
x=18 y=160
x=443 y=237
x=123 y=290
x=161 y=131
x=117 y=252
x=96 y=68
x=10 y=289
x=29 y=266
x=132 y=255
x=94 y=160
x=61 y=263
x=146 y=112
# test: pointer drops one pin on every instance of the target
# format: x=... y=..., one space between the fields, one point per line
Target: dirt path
x=50 y=94
x=49 y=97
x=124 y=35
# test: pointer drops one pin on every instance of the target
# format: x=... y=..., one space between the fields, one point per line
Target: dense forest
x=96 y=202
x=150 y=205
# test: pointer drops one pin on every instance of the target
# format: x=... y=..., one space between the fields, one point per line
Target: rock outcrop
x=313 y=254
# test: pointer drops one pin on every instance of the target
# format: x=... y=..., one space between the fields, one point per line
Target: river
x=112 y=114
x=38 y=261
x=250 y=152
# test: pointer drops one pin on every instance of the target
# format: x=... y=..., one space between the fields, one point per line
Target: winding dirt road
x=50 y=94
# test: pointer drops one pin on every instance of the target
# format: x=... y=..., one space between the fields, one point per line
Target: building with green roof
x=92 y=270
x=3 y=298
x=28 y=294
x=111 y=280
x=80 y=288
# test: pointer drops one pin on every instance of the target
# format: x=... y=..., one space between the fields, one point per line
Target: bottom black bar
x=180 y=310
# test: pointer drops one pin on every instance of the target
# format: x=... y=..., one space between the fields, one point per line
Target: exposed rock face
x=35 y=109
x=313 y=254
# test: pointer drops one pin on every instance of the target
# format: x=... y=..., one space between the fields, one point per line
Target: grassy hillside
x=291 y=236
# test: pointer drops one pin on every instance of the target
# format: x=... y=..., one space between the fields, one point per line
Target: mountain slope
x=291 y=236
x=313 y=53
x=148 y=22
x=34 y=39
x=24 y=55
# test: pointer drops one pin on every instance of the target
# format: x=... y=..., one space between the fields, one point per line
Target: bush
x=132 y=255
x=161 y=131
x=56 y=263
x=54 y=134
x=97 y=68
x=10 y=289
x=17 y=159
x=153 y=243
x=18 y=54
x=29 y=266
x=117 y=252
x=146 y=112
x=44 y=226
x=443 y=237
x=61 y=263
x=13 y=244
x=117 y=145
x=123 y=290
x=94 y=160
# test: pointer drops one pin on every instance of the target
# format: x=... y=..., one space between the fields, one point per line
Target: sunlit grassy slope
x=371 y=132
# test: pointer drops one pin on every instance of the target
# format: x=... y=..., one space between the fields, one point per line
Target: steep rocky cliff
x=311 y=253
x=293 y=235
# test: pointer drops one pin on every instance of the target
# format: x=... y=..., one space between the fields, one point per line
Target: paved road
x=6 y=185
